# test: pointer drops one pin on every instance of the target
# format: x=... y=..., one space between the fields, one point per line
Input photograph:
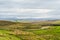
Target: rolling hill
x=38 y=30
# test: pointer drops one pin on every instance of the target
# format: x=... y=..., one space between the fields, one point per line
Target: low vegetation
x=42 y=30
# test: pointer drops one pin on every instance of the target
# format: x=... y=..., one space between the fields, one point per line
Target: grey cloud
x=34 y=4
x=50 y=4
x=56 y=12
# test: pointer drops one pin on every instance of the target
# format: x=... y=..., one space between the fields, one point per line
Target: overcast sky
x=30 y=8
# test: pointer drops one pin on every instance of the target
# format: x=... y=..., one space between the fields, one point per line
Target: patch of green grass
x=4 y=35
x=52 y=30
x=49 y=34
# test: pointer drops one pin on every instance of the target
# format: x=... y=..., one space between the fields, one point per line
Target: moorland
x=41 y=30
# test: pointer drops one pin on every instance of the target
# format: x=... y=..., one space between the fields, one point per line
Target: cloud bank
x=29 y=8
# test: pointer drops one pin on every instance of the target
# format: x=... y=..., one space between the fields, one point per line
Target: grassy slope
x=29 y=31
x=53 y=33
x=5 y=35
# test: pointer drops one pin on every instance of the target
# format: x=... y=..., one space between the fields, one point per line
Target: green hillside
x=5 y=35
x=42 y=30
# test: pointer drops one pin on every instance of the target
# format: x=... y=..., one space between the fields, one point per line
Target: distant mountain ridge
x=31 y=19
